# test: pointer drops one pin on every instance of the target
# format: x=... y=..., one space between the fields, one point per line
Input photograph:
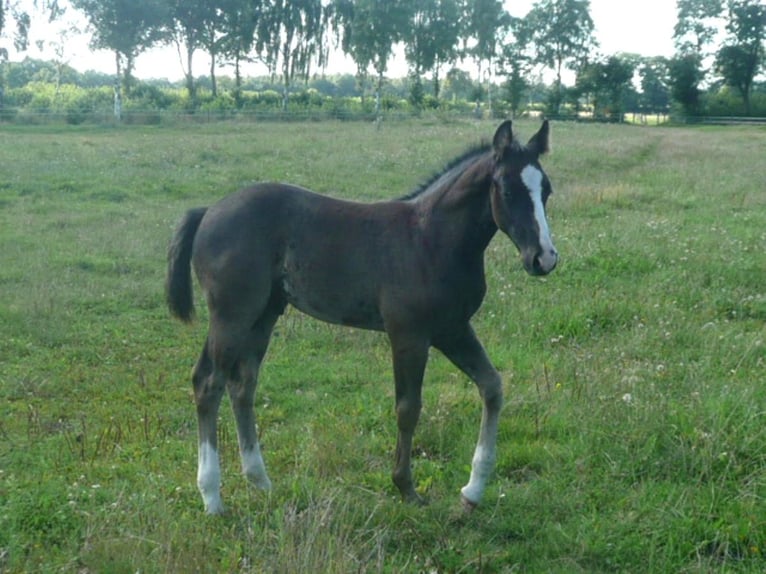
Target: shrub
x=76 y=111
x=222 y=103
x=148 y=97
x=269 y=98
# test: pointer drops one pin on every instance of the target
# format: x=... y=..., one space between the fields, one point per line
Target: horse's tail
x=178 y=283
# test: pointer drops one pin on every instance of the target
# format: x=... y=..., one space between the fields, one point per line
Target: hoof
x=214 y=509
x=212 y=501
x=414 y=499
x=467 y=505
x=261 y=483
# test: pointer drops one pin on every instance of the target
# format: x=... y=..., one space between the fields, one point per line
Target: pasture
x=633 y=436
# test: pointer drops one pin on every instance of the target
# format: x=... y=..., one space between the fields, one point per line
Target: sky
x=642 y=27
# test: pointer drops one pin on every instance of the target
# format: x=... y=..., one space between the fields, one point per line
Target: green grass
x=634 y=433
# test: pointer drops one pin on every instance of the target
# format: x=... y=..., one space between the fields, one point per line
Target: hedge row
x=38 y=101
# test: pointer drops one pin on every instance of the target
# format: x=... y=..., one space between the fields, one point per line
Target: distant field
x=634 y=433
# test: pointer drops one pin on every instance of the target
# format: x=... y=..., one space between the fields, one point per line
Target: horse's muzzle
x=541 y=263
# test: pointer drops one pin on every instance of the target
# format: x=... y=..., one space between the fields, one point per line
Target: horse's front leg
x=410 y=354
x=468 y=354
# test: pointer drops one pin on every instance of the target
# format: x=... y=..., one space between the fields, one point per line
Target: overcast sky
x=636 y=26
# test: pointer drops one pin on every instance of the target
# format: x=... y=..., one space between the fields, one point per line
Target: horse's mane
x=474 y=151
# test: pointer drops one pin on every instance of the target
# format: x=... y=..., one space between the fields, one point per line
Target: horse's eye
x=497 y=182
x=508 y=190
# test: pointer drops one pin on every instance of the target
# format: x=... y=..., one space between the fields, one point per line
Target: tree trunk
x=118 y=89
x=285 y=73
x=237 y=82
x=745 y=89
x=190 y=87
x=127 y=76
x=558 y=87
x=361 y=80
x=378 y=89
x=489 y=87
x=213 y=83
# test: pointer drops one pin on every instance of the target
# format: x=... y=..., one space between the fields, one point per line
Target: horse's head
x=520 y=190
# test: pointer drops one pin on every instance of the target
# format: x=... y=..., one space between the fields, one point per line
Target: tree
x=740 y=58
x=695 y=29
x=516 y=83
x=370 y=29
x=458 y=85
x=655 y=93
x=431 y=38
x=125 y=27
x=19 y=13
x=561 y=33
x=239 y=20
x=607 y=82
x=190 y=22
x=213 y=35
x=685 y=77
x=291 y=33
x=484 y=21
x=515 y=65
x=696 y=25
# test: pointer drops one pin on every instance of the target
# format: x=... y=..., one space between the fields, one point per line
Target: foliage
x=686 y=75
x=728 y=102
x=740 y=59
x=633 y=436
x=74 y=103
x=431 y=37
x=485 y=22
x=19 y=74
x=125 y=27
x=190 y=23
x=515 y=87
x=606 y=84
x=237 y=36
x=560 y=33
x=294 y=39
x=369 y=31
x=292 y=33
x=695 y=29
x=655 y=82
x=696 y=25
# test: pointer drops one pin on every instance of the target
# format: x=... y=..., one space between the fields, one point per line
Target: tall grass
x=633 y=437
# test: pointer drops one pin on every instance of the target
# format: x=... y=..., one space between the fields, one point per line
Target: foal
x=411 y=267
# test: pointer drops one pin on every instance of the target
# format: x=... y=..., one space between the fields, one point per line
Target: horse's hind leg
x=208 y=390
x=230 y=360
x=242 y=394
x=467 y=353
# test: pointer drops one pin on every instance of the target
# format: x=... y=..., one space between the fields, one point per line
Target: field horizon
x=632 y=438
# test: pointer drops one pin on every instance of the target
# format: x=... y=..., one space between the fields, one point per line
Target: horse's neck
x=461 y=215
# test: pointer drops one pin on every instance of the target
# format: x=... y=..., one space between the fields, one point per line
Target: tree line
x=295 y=39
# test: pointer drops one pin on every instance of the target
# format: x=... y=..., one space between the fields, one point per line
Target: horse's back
x=277 y=243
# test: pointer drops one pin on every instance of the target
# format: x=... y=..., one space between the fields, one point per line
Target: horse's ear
x=540 y=143
x=503 y=138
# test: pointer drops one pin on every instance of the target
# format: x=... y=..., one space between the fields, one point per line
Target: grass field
x=634 y=433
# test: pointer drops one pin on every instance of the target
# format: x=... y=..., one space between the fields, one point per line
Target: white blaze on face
x=533 y=180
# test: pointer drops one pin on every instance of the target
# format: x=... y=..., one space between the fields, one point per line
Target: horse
x=412 y=267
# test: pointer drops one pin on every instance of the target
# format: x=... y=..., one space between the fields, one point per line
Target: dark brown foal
x=412 y=267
